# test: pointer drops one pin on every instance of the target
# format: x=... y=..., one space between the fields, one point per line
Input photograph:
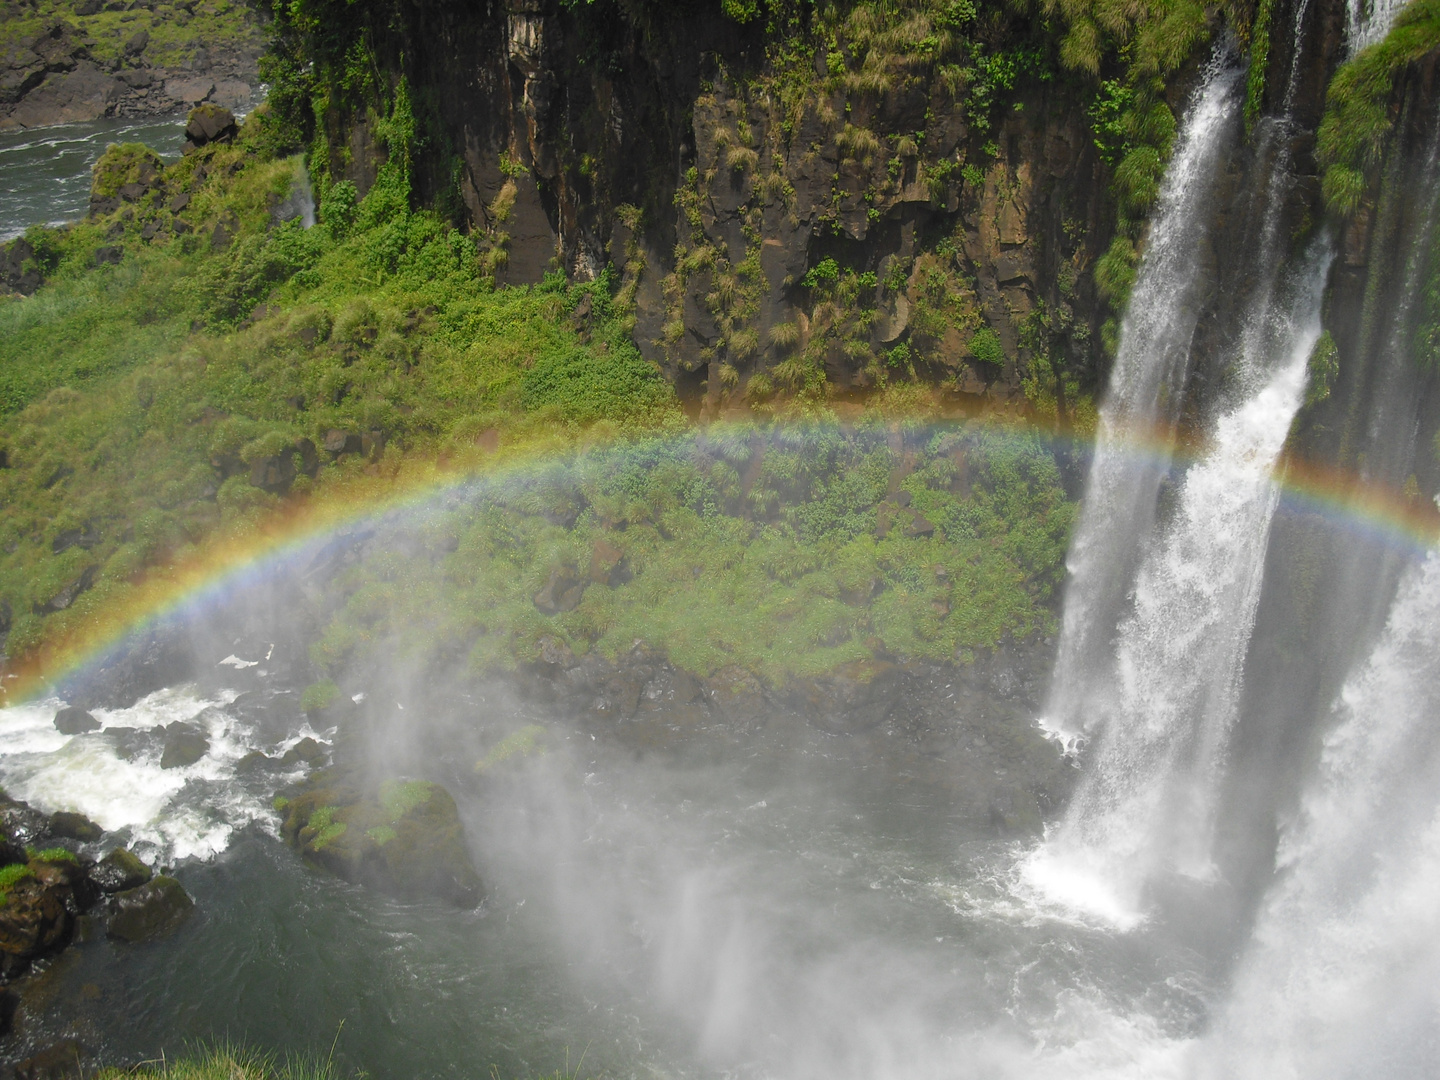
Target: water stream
x=1136 y=418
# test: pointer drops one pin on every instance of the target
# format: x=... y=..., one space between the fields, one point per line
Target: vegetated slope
x=234 y=367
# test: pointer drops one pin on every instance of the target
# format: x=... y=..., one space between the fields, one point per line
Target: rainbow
x=227 y=565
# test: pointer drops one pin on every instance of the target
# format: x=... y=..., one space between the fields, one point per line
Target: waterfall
x=1145 y=804
x=1339 y=979
x=1143 y=398
x=1367 y=23
x=1162 y=699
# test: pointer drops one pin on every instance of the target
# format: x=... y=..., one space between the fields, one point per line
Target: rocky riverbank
x=81 y=60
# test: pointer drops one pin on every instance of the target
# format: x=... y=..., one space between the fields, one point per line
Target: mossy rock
x=126 y=172
x=119 y=871
x=150 y=910
x=404 y=838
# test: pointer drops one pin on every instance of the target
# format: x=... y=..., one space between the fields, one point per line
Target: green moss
x=381 y=834
x=327 y=835
x=399 y=797
x=319 y=695
x=56 y=854
x=528 y=741
x=1358 y=115
x=1322 y=367
x=12 y=875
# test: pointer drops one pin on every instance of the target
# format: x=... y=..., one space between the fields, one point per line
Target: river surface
x=755 y=914
x=45 y=173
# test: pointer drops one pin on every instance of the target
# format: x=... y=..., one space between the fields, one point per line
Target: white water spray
x=1369 y=22
x=1144 y=390
x=1339 y=980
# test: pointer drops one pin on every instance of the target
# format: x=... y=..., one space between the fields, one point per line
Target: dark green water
x=771 y=911
x=45 y=174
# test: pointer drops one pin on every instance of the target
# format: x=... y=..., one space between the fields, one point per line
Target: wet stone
x=73 y=720
x=158 y=907
x=185 y=744
x=65 y=1060
x=72 y=826
x=119 y=871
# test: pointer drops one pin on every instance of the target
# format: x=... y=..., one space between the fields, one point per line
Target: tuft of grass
x=228 y=1061
x=1358 y=116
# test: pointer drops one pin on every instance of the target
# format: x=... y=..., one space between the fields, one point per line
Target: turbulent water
x=45 y=173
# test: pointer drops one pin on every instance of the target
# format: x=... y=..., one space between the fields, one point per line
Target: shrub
x=985 y=346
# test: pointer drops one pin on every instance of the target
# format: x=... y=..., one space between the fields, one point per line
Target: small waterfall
x=1143 y=398
x=1368 y=22
x=1339 y=980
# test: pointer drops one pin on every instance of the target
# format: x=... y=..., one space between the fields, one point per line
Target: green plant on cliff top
x=1358 y=117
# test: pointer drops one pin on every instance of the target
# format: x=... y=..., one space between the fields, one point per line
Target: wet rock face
x=158 y=907
x=72 y=826
x=404 y=838
x=854 y=697
x=120 y=871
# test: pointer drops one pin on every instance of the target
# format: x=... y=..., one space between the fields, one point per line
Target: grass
x=1358 y=115
x=228 y=1061
x=218 y=26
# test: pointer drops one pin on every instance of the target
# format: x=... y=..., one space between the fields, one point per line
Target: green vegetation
x=56 y=854
x=1358 y=105
x=319 y=695
x=528 y=741
x=176 y=34
x=808 y=567
x=1323 y=366
x=227 y=1061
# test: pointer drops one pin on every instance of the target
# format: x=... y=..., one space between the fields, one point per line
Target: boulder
x=562 y=592
x=21 y=824
x=11 y=851
x=73 y=720
x=147 y=911
x=185 y=744
x=307 y=750
x=854 y=697
x=209 y=123
x=737 y=696
x=606 y=562
x=33 y=919
x=137 y=43
x=404 y=838
x=190 y=91
x=73 y=826
x=69 y=592
x=18 y=272
x=120 y=871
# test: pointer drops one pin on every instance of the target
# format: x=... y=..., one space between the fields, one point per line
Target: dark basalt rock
x=562 y=592
x=185 y=744
x=405 y=839
x=209 y=123
x=73 y=826
x=73 y=720
x=307 y=750
x=158 y=907
x=9 y=1002
x=853 y=697
x=119 y=871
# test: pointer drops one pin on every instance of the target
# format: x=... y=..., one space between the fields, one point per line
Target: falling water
x=1339 y=978
x=1143 y=398
x=1367 y=23
x=1145 y=804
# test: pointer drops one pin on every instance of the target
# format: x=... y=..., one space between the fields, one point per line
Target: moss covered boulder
x=150 y=910
x=404 y=838
x=125 y=173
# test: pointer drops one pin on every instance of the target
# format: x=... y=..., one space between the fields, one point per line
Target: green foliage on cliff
x=774 y=549
x=1359 y=112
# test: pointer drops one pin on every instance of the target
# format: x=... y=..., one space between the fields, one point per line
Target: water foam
x=171 y=814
